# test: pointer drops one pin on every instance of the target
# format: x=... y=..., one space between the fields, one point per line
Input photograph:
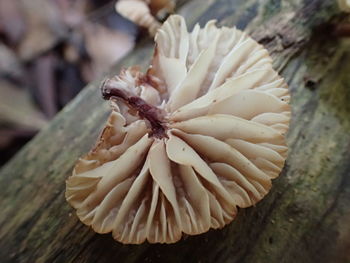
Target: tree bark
x=305 y=217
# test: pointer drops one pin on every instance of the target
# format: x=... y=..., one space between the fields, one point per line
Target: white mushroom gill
x=199 y=135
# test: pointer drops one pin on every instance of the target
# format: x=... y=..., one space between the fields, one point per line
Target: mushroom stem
x=146 y=111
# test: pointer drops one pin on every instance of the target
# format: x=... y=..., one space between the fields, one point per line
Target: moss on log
x=305 y=218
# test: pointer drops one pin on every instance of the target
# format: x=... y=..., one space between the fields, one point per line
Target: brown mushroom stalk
x=146 y=111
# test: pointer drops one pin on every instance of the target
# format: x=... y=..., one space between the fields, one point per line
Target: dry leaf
x=105 y=46
x=9 y=63
x=44 y=28
x=12 y=21
x=17 y=109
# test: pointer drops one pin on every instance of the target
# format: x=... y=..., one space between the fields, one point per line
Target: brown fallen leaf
x=73 y=13
x=105 y=46
x=17 y=108
x=10 y=66
x=44 y=74
x=12 y=21
x=45 y=27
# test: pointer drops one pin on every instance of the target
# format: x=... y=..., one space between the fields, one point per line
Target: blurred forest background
x=49 y=50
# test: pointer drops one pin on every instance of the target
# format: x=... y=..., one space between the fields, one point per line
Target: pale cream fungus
x=187 y=143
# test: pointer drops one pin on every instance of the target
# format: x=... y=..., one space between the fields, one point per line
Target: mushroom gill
x=187 y=143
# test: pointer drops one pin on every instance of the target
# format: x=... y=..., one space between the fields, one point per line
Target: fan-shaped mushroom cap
x=197 y=136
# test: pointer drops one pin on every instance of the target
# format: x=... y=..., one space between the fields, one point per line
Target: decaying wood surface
x=306 y=216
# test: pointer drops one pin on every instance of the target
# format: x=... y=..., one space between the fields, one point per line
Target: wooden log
x=305 y=218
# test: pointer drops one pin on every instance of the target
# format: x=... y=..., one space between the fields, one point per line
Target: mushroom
x=199 y=135
x=143 y=12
